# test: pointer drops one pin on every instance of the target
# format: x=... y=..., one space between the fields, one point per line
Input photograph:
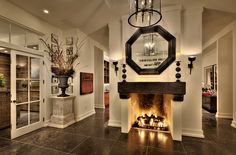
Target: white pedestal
x=62 y=111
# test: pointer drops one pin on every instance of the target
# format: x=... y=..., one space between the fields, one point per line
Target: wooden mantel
x=177 y=89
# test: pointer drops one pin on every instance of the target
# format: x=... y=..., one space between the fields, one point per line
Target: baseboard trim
x=99 y=106
x=61 y=126
x=193 y=133
x=46 y=123
x=114 y=123
x=224 y=115
x=233 y=124
x=85 y=115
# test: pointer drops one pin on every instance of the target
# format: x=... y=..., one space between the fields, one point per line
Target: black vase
x=63 y=84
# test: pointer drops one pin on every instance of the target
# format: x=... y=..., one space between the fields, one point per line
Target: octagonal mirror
x=150 y=50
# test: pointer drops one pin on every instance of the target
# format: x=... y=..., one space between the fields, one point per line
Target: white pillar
x=115 y=54
x=125 y=115
x=176 y=120
x=225 y=77
x=234 y=77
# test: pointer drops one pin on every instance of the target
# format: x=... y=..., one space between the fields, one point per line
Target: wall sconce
x=115 y=63
x=191 y=59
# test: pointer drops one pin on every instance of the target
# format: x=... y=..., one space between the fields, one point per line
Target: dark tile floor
x=92 y=136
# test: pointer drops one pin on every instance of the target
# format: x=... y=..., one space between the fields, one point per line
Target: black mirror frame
x=171 y=50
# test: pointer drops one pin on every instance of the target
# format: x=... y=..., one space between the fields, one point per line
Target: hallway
x=93 y=136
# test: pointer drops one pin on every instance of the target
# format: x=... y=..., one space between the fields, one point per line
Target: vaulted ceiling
x=92 y=16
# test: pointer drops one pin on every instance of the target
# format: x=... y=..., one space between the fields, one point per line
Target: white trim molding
x=192 y=133
x=85 y=115
x=61 y=125
x=99 y=106
x=233 y=124
x=114 y=123
x=46 y=123
x=224 y=115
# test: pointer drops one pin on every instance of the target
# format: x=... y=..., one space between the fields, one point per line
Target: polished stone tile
x=135 y=137
x=65 y=142
x=18 y=148
x=46 y=151
x=94 y=146
x=164 y=141
x=156 y=151
x=5 y=133
x=93 y=136
x=121 y=148
x=40 y=137
x=203 y=148
x=4 y=142
x=112 y=133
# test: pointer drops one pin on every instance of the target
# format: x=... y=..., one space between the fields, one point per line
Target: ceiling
x=92 y=16
x=214 y=21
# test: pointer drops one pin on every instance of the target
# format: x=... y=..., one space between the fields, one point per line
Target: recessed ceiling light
x=5 y=51
x=46 y=11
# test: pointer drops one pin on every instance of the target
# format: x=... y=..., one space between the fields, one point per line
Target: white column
x=176 y=120
x=125 y=115
x=234 y=77
x=115 y=54
x=225 y=77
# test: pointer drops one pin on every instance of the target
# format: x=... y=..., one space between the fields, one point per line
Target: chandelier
x=150 y=44
x=144 y=13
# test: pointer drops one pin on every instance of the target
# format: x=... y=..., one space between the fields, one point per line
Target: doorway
x=21 y=99
x=5 y=96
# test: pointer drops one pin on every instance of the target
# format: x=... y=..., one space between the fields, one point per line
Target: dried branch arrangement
x=61 y=63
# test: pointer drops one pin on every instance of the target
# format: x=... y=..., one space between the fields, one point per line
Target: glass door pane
x=22 y=115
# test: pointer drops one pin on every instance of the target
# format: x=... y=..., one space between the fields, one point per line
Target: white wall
x=231 y=28
x=84 y=105
x=18 y=15
x=172 y=22
x=209 y=57
x=98 y=78
x=23 y=18
x=225 y=77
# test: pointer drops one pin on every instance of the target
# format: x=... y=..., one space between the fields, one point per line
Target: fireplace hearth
x=153 y=122
x=159 y=107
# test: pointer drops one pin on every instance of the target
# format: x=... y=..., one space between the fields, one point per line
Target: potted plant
x=2 y=80
x=62 y=64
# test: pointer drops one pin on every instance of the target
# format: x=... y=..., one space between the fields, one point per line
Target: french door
x=26 y=96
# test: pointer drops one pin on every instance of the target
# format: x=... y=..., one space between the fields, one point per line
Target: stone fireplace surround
x=176 y=89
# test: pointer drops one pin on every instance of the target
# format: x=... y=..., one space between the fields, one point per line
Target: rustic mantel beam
x=178 y=89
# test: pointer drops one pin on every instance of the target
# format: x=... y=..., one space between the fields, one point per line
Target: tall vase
x=63 y=84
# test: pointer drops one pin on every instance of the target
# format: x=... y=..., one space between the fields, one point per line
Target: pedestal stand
x=62 y=111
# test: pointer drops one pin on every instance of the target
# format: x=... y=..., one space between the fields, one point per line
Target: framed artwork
x=69 y=50
x=54 y=80
x=86 y=83
x=69 y=41
x=70 y=80
x=54 y=38
x=54 y=90
x=70 y=90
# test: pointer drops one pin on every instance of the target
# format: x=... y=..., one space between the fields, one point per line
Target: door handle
x=14 y=101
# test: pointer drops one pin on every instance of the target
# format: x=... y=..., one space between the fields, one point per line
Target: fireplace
x=151 y=112
x=153 y=106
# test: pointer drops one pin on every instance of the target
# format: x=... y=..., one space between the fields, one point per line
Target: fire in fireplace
x=151 y=112
x=151 y=122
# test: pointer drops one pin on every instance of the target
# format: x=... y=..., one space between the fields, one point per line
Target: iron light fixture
x=144 y=13
x=115 y=63
x=190 y=65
